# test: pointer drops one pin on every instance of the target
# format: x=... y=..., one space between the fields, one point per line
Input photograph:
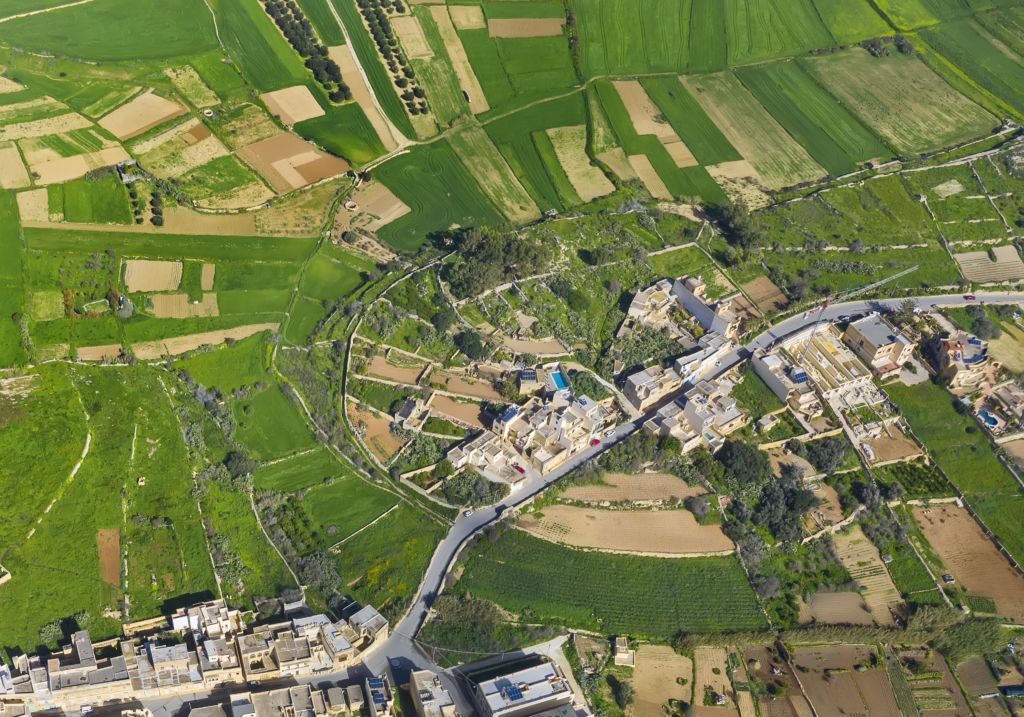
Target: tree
x=443 y=320
x=746 y=466
x=827 y=454
x=698 y=505
x=738 y=225
x=471 y=344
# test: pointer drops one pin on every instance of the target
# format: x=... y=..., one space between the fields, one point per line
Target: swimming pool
x=989 y=419
x=561 y=382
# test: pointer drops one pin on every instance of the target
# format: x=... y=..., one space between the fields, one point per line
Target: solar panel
x=376 y=682
x=378 y=698
x=514 y=693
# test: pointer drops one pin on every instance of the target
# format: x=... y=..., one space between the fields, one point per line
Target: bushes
x=487 y=259
x=471 y=489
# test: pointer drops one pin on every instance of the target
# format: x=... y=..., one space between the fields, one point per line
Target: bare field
x=972 y=558
x=106 y=352
x=377 y=436
x=712 y=670
x=862 y=560
x=13 y=174
x=288 y=162
x=468 y=17
x=148 y=350
x=410 y=34
x=457 y=384
x=570 y=145
x=177 y=306
x=836 y=609
x=646 y=487
x=741 y=182
x=765 y=294
x=43 y=127
x=56 y=171
x=1006 y=265
x=376 y=207
x=662 y=532
x=769 y=667
x=647 y=119
x=836 y=689
x=643 y=169
x=151 y=275
x=292 y=104
x=657 y=669
x=893 y=447
x=526 y=27
x=465 y=413
x=209 y=271
x=539 y=348
x=460 y=61
x=362 y=94
x=379 y=366
x=108 y=542
x=138 y=115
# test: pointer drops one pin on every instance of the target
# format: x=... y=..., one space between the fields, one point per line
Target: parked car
x=595 y=442
x=969 y=297
x=467 y=512
x=519 y=469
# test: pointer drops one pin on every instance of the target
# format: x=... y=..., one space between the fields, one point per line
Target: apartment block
x=879 y=344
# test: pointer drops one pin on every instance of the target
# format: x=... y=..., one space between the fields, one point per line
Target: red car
x=595 y=442
x=520 y=468
x=969 y=297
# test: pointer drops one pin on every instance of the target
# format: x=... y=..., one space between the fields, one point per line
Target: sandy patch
x=643 y=169
x=177 y=306
x=647 y=119
x=468 y=17
x=712 y=671
x=460 y=61
x=292 y=104
x=466 y=414
x=835 y=689
x=34 y=205
x=106 y=352
x=765 y=294
x=191 y=85
x=836 y=609
x=617 y=161
x=7 y=86
x=288 y=162
x=971 y=558
x=64 y=170
x=148 y=350
x=362 y=94
x=948 y=189
x=376 y=432
x=643 y=488
x=43 y=127
x=526 y=27
x=540 y=348
x=862 y=560
x=410 y=34
x=976 y=266
x=380 y=367
x=570 y=145
x=376 y=206
x=660 y=532
x=13 y=174
x=463 y=386
x=741 y=182
x=209 y=271
x=655 y=681
x=108 y=542
x=151 y=275
x=140 y=114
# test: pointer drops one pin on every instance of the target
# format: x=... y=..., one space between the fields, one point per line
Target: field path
x=45 y=9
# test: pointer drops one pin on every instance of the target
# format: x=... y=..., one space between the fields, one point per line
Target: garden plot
x=766 y=665
x=468 y=17
x=56 y=171
x=526 y=27
x=659 y=533
x=642 y=168
x=148 y=350
x=765 y=294
x=188 y=82
x=377 y=433
x=1004 y=265
x=108 y=542
x=836 y=689
x=647 y=119
x=468 y=414
x=13 y=174
x=570 y=145
x=861 y=558
x=643 y=488
x=777 y=159
x=972 y=558
x=289 y=163
x=376 y=207
x=712 y=671
x=379 y=366
x=136 y=116
x=656 y=679
x=207 y=274
x=151 y=275
x=362 y=94
x=410 y=34
x=192 y=147
x=292 y=104
x=836 y=609
x=43 y=127
x=468 y=81
x=178 y=306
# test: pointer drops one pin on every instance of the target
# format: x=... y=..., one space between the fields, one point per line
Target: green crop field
x=244 y=363
x=623 y=36
x=345 y=506
x=271 y=425
x=612 y=593
x=299 y=471
x=97 y=201
x=334 y=273
x=690 y=122
x=12 y=288
x=493 y=174
x=851 y=20
x=344 y=130
x=766 y=29
x=436 y=74
x=257 y=46
x=326 y=27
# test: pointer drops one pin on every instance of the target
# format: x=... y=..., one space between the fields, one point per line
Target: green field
x=12 y=287
x=851 y=20
x=690 y=122
x=300 y=471
x=611 y=593
x=271 y=425
x=346 y=505
x=334 y=273
x=766 y=29
x=97 y=201
x=257 y=46
x=624 y=36
x=230 y=367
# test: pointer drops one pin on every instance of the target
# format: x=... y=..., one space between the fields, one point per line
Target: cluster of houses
x=199 y=647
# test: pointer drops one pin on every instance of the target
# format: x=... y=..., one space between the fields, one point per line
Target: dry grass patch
x=972 y=558
x=1004 y=265
x=191 y=85
x=658 y=667
x=108 y=542
x=741 y=182
x=893 y=446
x=643 y=169
x=43 y=127
x=145 y=146
x=151 y=275
x=643 y=488
x=410 y=34
x=468 y=17
x=288 y=162
x=251 y=195
x=13 y=174
x=138 y=115
x=34 y=206
x=301 y=214
x=106 y=352
x=617 y=161
x=8 y=86
x=56 y=171
x=248 y=124
x=861 y=558
x=362 y=94
x=468 y=414
x=647 y=119
x=206 y=277
x=712 y=671
x=33 y=107
x=182 y=220
x=540 y=348
x=178 y=306
x=148 y=350
x=292 y=104
x=570 y=145
x=460 y=61
x=662 y=533
x=377 y=433
x=526 y=27
x=187 y=150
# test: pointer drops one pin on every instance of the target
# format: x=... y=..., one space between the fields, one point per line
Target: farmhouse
x=690 y=292
x=655 y=307
x=484 y=451
x=879 y=344
x=705 y=415
x=963 y=361
x=787 y=381
x=430 y=696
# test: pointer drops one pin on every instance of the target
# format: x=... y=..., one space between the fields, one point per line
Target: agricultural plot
x=435 y=71
x=493 y=175
x=835 y=688
x=140 y=114
x=271 y=425
x=659 y=671
x=188 y=82
x=13 y=174
x=690 y=122
x=613 y=593
x=862 y=560
x=298 y=471
x=1004 y=264
x=96 y=201
x=647 y=120
x=850 y=21
x=570 y=146
x=898 y=97
x=188 y=146
x=765 y=29
x=289 y=163
x=642 y=36
x=345 y=506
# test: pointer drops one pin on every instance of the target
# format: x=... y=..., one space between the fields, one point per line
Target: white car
x=467 y=513
x=609 y=433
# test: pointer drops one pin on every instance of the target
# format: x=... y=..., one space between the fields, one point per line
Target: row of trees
x=299 y=33
x=376 y=13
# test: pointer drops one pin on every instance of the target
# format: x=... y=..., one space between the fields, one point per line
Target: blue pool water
x=988 y=418
x=561 y=382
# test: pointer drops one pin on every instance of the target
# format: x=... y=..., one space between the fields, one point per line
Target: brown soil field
x=765 y=294
x=468 y=17
x=1008 y=349
x=34 y=206
x=844 y=691
x=711 y=671
x=978 y=681
x=378 y=437
x=647 y=119
x=13 y=174
x=191 y=85
x=138 y=115
x=460 y=61
x=971 y=558
x=177 y=220
x=635 y=488
x=654 y=681
x=108 y=541
x=288 y=162
x=466 y=413
x=206 y=278
x=741 y=182
x=151 y=275
x=457 y=384
x=292 y=104
x=64 y=170
x=862 y=560
x=526 y=27
x=895 y=447
x=659 y=532
x=362 y=94
x=410 y=34
x=176 y=345
x=570 y=145
x=977 y=267
x=376 y=207
x=99 y=353
x=177 y=306
x=617 y=161
x=793 y=703
x=379 y=366
x=645 y=171
x=249 y=124
x=540 y=348
x=43 y=127
x=836 y=609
